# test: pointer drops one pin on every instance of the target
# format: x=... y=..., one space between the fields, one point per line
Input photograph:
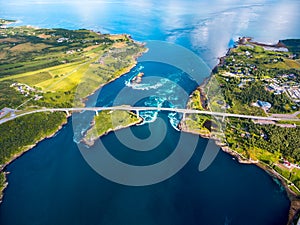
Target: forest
x=269 y=144
x=253 y=91
x=18 y=134
x=268 y=137
x=25 y=131
x=243 y=77
x=49 y=68
x=293 y=45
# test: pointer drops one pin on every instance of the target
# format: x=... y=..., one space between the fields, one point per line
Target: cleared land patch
x=28 y=47
x=35 y=78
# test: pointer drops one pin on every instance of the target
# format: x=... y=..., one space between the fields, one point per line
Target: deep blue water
x=53 y=184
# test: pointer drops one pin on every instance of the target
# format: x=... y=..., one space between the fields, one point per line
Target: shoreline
x=127 y=70
x=30 y=147
x=2 y=168
x=90 y=143
x=26 y=150
x=294 y=210
x=293 y=197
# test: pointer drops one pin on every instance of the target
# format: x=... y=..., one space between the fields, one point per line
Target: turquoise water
x=53 y=184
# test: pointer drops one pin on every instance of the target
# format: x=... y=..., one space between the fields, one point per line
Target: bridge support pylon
x=68 y=113
x=96 y=112
x=137 y=113
x=183 y=116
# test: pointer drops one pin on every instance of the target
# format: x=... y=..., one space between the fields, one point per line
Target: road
x=138 y=109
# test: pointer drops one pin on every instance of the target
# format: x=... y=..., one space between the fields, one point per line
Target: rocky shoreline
x=294 y=211
x=24 y=151
x=91 y=142
x=28 y=148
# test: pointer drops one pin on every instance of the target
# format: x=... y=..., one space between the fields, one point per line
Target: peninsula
x=255 y=79
x=53 y=68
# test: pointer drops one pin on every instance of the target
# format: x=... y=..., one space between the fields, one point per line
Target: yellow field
x=86 y=71
x=44 y=36
x=71 y=78
x=64 y=77
x=56 y=72
x=2 y=55
x=117 y=36
x=119 y=45
x=292 y=63
x=13 y=77
x=35 y=78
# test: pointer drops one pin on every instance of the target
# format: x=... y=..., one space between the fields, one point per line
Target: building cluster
x=282 y=83
x=290 y=165
x=239 y=67
x=70 y=52
x=294 y=93
x=26 y=90
x=285 y=84
x=274 y=87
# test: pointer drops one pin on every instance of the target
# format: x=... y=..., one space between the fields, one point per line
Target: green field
x=55 y=68
x=234 y=86
x=107 y=121
x=59 y=62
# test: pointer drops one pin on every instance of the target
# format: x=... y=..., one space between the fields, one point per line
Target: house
x=287 y=164
x=264 y=105
x=242 y=84
x=248 y=53
x=292 y=76
x=60 y=40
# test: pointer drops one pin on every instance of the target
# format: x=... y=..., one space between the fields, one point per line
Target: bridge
x=139 y=109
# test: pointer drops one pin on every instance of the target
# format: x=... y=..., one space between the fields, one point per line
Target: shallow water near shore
x=52 y=184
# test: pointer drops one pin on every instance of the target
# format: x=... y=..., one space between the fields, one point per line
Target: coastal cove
x=51 y=183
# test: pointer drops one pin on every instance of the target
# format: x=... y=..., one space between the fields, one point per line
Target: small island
x=107 y=121
x=54 y=68
x=260 y=80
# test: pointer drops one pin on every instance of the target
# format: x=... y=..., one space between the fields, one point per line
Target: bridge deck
x=138 y=109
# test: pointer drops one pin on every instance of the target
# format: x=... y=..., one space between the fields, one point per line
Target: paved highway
x=138 y=109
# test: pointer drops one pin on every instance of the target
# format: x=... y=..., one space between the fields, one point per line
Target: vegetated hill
x=293 y=45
